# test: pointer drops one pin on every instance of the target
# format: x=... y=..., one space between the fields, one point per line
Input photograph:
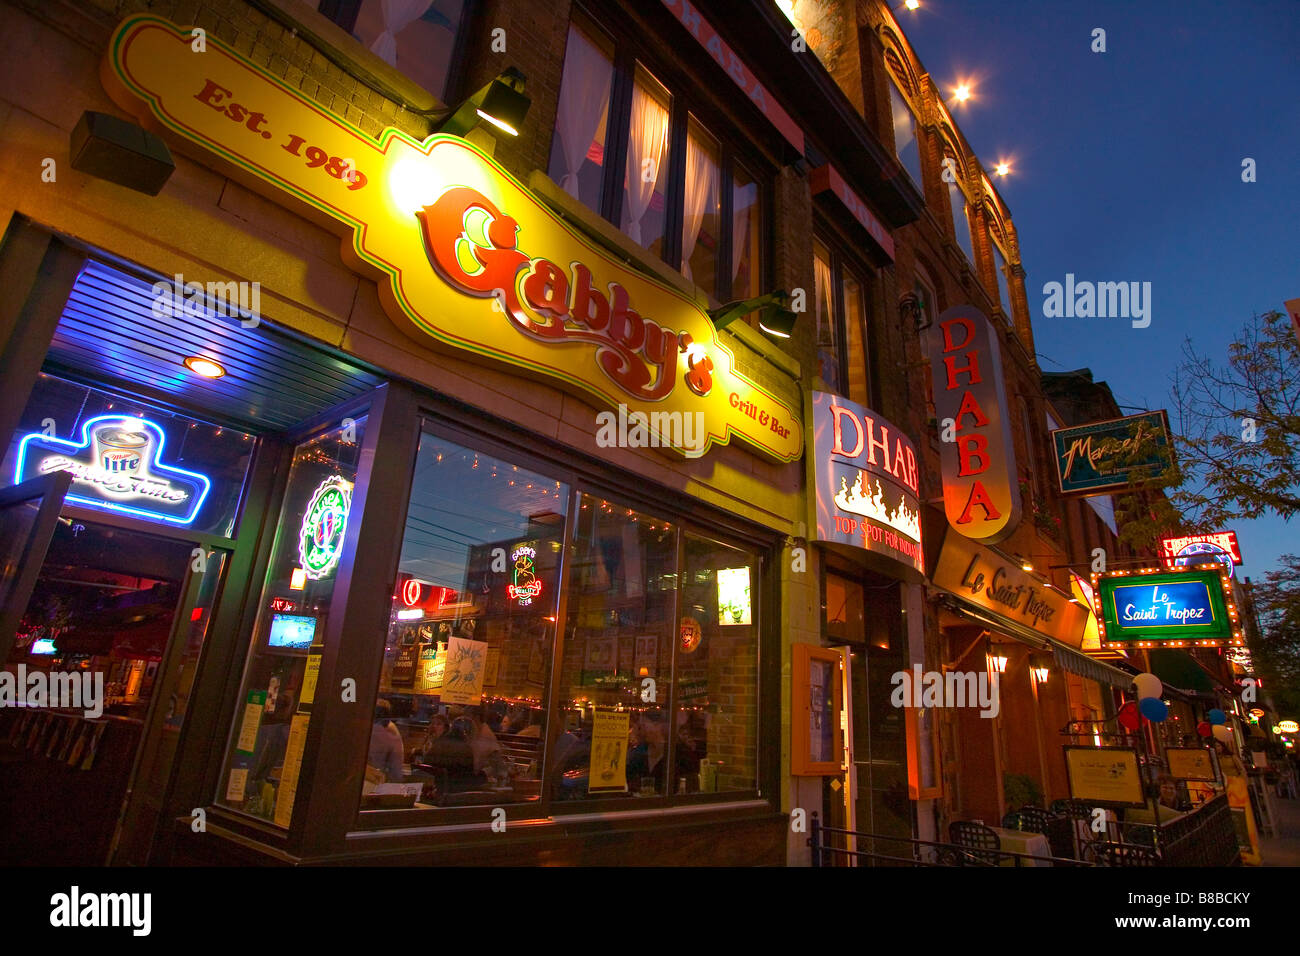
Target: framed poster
x=1192 y=763
x=1105 y=776
x=817 y=701
x=492 y=667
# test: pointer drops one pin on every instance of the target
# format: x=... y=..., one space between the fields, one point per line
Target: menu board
x=1191 y=763
x=1105 y=776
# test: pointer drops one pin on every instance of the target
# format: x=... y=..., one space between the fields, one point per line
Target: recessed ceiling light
x=204 y=367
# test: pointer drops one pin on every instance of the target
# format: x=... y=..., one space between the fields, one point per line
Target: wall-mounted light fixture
x=502 y=103
x=774 y=318
x=118 y=151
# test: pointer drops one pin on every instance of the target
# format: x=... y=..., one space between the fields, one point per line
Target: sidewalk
x=1283 y=849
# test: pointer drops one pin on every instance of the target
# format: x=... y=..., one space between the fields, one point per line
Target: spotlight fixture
x=502 y=103
x=912 y=4
x=118 y=151
x=1002 y=168
x=961 y=93
x=774 y=318
x=204 y=367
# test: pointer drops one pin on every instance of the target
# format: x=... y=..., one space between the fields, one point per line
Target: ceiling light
x=204 y=367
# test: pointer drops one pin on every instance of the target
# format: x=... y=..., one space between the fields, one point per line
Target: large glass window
x=616 y=130
x=264 y=753
x=460 y=718
x=906 y=142
x=418 y=37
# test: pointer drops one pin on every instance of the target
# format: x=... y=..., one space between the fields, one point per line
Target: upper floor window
x=422 y=38
x=632 y=151
x=907 y=144
x=1004 y=283
x=842 y=335
x=961 y=223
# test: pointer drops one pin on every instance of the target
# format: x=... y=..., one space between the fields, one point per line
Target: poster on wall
x=608 y=770
x=1105 y=776
x=1192 y=763
x=865 y=471
x=462 y=680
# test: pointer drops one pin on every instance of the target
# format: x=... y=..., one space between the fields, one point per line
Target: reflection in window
x=827 y=328
x=461 y=712
x=618 y=635
x=266 y=744
x=417 y=37
x=745 y=226
x=578 y=147
x=906 y=143
x=960 y=223
x=1004 y=287
x=855 y=323
x=646 y=176
x=717 y=670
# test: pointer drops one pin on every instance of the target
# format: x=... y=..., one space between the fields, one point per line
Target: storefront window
x=266 y=744
x=460 y=718
x=717 y=670
x=617 y=666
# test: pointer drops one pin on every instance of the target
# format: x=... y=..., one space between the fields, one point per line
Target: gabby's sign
x=866 y=478
x=117 y=466
x=465 y=257
x=980 y=493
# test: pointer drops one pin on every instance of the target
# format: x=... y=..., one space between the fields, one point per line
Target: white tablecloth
x=1022 y=841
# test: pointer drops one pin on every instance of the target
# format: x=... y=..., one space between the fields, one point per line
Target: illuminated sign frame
x=979 y=464
x=196 y=485
x=1222 y=631
x=466 y=258
x=1218 y=546
x=319 y=547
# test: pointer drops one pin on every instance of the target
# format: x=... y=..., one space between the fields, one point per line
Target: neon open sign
x=117 y=466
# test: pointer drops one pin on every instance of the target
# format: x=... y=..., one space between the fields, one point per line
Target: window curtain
x=701 y=198
x=825 y=303
x=647 y=140
x=398 y=14
x=584 y=101
x=745 y=198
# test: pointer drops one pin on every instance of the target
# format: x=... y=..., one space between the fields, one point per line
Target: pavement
x=1282 y=849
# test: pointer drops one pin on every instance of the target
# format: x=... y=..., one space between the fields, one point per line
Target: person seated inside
x=385 y=756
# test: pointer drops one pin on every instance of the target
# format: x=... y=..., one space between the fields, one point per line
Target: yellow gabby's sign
x=465 y=257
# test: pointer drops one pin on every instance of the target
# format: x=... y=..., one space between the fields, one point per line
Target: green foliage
x=1020 y=790
x=1277 y=656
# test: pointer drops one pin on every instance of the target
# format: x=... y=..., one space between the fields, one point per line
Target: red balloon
x=1204 y=728
x=1129 y=716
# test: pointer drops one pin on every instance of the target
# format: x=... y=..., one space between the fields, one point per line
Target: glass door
x=28 y=512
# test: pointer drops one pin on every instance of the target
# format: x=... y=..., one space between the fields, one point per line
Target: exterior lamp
x=961 y=93
x=912 y=4
x=775 y=317
x=998 y=663
x=502 y=103
x=1040 y=674
x=1002 y=169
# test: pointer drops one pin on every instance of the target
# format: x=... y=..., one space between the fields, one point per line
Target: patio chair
x=976 y=840
x=1105 y=853
x=1034 y=819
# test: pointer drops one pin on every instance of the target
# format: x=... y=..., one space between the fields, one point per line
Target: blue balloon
x=1217 y=716
x=1154 y=709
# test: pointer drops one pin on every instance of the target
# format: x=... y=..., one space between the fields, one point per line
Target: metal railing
x=918 y=852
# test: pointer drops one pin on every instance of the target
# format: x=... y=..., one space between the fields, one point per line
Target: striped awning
x=1087 y=667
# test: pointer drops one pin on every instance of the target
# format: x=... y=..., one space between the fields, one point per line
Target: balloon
x=1148 y=685
x=1154 y=709
x=1217 y=716
x=1129 y=717
x=1205 y=728
x=1222 y=733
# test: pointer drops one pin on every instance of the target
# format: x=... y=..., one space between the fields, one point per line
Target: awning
x=1179 y=670
x=1089 y=668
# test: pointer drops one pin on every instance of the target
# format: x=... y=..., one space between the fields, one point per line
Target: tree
x=1276 y=657
x=1236 y=442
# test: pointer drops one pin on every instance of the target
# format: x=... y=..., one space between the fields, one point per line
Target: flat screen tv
x=292 y=632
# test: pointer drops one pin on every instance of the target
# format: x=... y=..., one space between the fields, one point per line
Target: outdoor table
x=1023 y=841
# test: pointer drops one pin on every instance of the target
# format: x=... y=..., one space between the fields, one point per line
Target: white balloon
x=1148 y=685
x=1223 y=733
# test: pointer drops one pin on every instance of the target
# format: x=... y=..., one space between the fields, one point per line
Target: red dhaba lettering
x=473 y=246
x=969 y=376
x=854 y=435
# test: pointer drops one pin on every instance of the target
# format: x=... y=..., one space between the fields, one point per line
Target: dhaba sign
x=980 y=494
x=465 y=257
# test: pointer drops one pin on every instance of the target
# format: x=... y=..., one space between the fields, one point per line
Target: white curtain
x=584 y=101
x=397 y=15
x=701 y=197
x=647 y=143
x=744 y=200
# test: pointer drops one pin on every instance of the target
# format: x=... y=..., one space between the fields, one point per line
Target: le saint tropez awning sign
x=465 y=257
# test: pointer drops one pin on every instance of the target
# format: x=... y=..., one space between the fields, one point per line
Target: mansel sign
x=982 y=577
x=981 y=496
x=866 y=479
x=1102 y=456
x=466 y=258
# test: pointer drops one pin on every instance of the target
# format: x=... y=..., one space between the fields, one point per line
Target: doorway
x=94 y=651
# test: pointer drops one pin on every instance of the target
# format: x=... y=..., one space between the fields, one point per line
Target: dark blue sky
x=1127 y=167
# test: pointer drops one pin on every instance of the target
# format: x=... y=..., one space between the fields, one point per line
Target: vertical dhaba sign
x=466 y=258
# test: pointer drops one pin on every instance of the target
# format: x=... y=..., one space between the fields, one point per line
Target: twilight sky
x=1127 y=166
